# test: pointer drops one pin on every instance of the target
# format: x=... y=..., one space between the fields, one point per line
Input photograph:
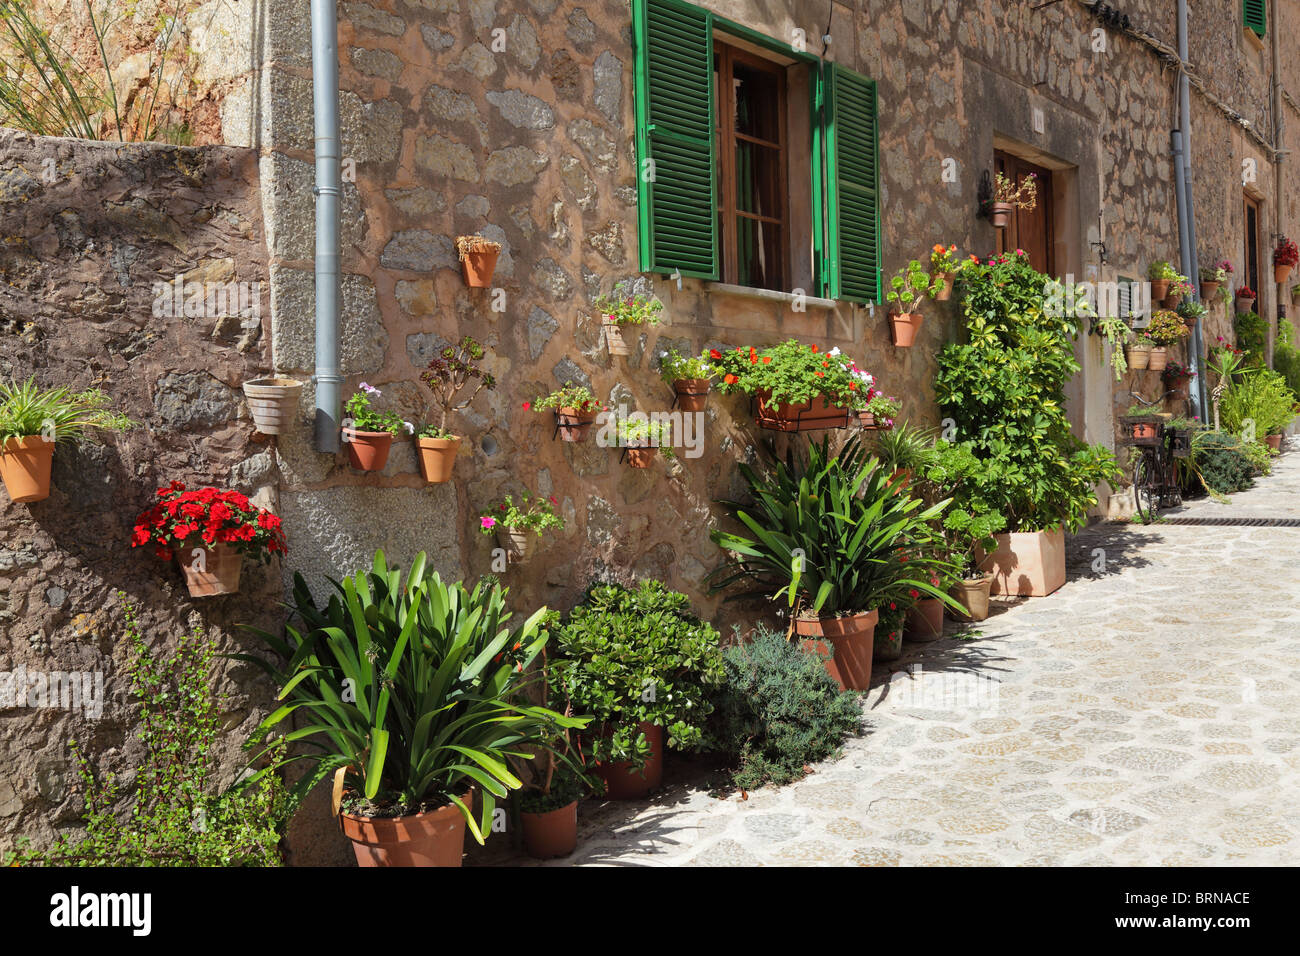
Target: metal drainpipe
x=1278 y=153
x=325 y=92
x=1189 y=260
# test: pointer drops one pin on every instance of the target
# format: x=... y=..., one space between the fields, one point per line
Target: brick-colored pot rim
x=400 y=829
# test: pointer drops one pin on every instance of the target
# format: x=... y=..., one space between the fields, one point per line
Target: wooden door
x=1250 y=268
x=1029 y=229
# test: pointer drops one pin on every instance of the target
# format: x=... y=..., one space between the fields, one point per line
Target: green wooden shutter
x=852 y=186
x=677 y=222
x=1255 y=13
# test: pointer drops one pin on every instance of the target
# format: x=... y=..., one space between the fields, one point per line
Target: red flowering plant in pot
x=208 y=530
x=797 y=387
x=1285 y=257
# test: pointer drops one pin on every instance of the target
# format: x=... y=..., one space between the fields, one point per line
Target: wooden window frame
x=1253 y=273
x=725 y=58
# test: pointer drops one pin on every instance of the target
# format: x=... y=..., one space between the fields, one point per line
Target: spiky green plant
x=58 y=413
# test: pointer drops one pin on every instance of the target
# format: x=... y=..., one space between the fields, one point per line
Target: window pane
x=758 y=254
x=758 y=179
x=757 y=97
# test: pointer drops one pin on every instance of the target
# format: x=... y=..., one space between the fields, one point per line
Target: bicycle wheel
x=1145 y=489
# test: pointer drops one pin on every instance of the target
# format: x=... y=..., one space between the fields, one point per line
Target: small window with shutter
x=1254 y=14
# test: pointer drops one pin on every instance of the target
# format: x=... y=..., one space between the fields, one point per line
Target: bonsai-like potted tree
x=478 y=260
x=575 y=409
x=368 y=432
x=1285 y=257
x=413 y=692
x=829 y=538
x=208 y=531
x=907 y=291
x=34 y=420
x=454 y=369
x=512 y=522
x=689 y=377
x=646 y=669
x=618 y=310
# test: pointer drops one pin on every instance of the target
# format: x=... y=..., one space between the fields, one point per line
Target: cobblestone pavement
x=1148 y=713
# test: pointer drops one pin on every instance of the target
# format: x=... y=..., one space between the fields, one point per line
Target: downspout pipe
x=325 y=94
x=1279 y=152
x=1189 y=260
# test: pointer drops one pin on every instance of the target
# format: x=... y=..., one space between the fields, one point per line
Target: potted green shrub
x=412 y=693
x=1165 y=329
x=908 y=289
x=1191 y=312
x=575 y=409
x=645 y=668
x=1161 y=273
x=642 y=437
x=833 y=542
x=34 y=420
x=903 y=452
x=689 y=377
x=478 y=260
x=1004 y=389
x=618 y=310
x=368 y=432
x=451 y=372
x=1213 y=278
x=796 y=387
x=511 y=522
x=208 y=530
x=1258 y=405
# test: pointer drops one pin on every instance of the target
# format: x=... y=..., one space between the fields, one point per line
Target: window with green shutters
x=1255 y=15
x=680 y=172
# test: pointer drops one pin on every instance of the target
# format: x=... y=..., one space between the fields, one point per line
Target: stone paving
x=1148 y=713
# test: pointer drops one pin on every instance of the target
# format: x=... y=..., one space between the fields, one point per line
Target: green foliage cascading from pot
x=633 y=655
x=176 y=816
x=780 y=711
x=1005 y=390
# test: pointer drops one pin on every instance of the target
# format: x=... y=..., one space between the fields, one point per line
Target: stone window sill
x=768 y=295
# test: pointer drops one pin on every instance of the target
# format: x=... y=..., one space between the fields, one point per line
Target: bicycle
x=1155 y=473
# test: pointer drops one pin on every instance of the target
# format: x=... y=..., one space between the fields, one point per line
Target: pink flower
x=487 y=523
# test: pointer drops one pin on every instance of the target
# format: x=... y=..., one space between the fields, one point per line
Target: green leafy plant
x=1259 y=396
x=176 y=815
x=1286 y=357
x=561 y=773
x=1221 y=463
x=414 y=687
x=1189 y=310
x=883 y=408
x=629 y=310
x=905 y=447
x=912 y=286
x=943 y=261
x=1161 y=270
x=971 y=520
x=633 y=655
x=830 y=535
x=59 y=414
x=1005 y=391
x=450 y=373
x=794 y=373
x=674 y=367
x=1252 y=335
x=778 y=710
x=645 y=432
x=1116 y=333
x=364 y=417
x=1166 y=328
x=1218 y=272
x=533 y=513
x=570 y=396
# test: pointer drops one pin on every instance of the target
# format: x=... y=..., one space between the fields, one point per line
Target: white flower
x=410 y=429
x=834 y=353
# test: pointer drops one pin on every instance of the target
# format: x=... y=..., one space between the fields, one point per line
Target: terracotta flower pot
x=1244 y=303
x=641 y=456
x=25 y=467
x=1000 y=214
x=1138 y=356
x=1159 y=289
x=815 y=414
x=899 y=480
x=1172 y=302
x=925 y=620
x=367 y=451
x=850 y=638
x=213 y=572
x=1159 y=358
x=551 y=834
x=479 y=266
x=692 y=393
x=1209 y=290
x=515 y=542
x=1027 y=563
x=1274 y=442
x=273 y=403
x=435 y=838
x=574 y=423
x=870 y=423
x=1280 y=273
x=437 y=457
x=614 y=338
x=623 y=781
x=973 y=595
x=903 y=327
x=945 y=293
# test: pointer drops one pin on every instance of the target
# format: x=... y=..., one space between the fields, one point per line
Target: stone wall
x=88 y=229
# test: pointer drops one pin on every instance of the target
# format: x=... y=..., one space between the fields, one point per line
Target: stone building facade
x=517 y=119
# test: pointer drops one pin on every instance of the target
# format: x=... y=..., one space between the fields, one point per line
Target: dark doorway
x=1029 y=229
x=1251 y=267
